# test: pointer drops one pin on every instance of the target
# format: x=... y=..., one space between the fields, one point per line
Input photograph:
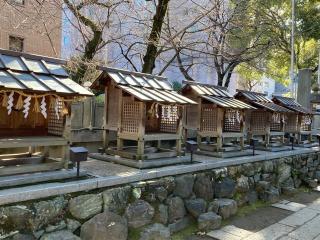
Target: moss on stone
x=191 y=229
x=134 y=233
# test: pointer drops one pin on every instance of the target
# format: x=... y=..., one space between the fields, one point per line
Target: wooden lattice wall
x=209 y=118
x=232 y=120
x=131 y=116
x=192 y=116
x=113 y=103
x=291 y=123
x=306 y=123
x=55 y=123
x=276 y=122
x=258 y=121
x=169 y=119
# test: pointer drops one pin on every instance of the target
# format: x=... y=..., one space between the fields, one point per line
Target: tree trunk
x=229 y=74
x=88 y=55
x=154 y=37
x=182 y=69
x=92 y=45
x=220 y=78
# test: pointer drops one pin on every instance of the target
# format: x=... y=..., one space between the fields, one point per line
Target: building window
x=16 y=43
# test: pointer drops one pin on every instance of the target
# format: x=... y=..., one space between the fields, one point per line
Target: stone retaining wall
x=159 y=207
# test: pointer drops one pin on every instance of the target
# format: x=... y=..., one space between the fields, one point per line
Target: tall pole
x=292 y=49
x=319 y=64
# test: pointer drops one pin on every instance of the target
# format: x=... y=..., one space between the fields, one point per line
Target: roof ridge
x=276 y=96
x=204 y=84
x=32 y=56
x=252 y=92
x=117 y=70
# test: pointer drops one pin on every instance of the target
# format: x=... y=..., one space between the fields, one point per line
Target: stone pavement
x=302 y=224
x=106 y=174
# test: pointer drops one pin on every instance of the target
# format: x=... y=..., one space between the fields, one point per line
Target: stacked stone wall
x=160 y=207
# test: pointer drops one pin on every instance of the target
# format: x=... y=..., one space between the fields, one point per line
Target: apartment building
x=31 y=26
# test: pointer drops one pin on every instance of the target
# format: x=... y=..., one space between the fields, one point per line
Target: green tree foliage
x=277 y=14
x=250 y=76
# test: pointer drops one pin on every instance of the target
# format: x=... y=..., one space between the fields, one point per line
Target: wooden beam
x=105 y=120
x=119 y=124
x=65 y=154
x=141 y=131
x=179 y=133
x=220 y=117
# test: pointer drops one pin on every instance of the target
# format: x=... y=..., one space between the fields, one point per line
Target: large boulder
x=184 y=186
x=60 y=235
x=180 y=224
x=312 y=183
x=196 y=206
x=161 y=215
x=226 y=207
x=317 y=175
x=169 y=184
x=287 y=187
x=209 y=221
x=224 y=188
x=203 y=187
x=161 y=193
x=219 y=173
x=272 y=195
x=48 y=211
x=16 y=217
x=213 y=206
x=283 y=172
x=106 y=225
x=72 y=225
x=116 y=199
x=267 y=166
x=56 y=227
x=85 y=206
x=22 y=236
x=248 y=169
x=176 y=209
x=242 y=184
x=252 y=197
x=155 y=232
x=139 y=213
x=262 y=186
x=154 y=194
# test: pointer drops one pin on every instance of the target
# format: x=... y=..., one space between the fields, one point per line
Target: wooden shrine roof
x=145 y=87
x=33 y=73
x=260 y=100
x=291 y=104
x=217 y=95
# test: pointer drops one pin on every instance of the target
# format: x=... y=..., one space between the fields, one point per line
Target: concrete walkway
x=303 y=223
x=107 y=174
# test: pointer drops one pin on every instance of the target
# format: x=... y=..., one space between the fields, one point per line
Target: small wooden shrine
x=218 y=117
x=298 y=122
x=267 y=121
x=35 y=94
x=142 y=108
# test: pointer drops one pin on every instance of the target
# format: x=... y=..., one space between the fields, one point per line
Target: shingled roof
x=33 y=73
x=145 y=87
x=217 y=95
x=291 y=104
x=260 y=100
